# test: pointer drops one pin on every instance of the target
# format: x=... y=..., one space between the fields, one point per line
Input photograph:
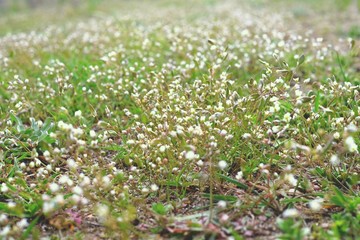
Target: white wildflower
x=239 y=175
x=154 y=187
x=200 y=163
x=54 y=187
x=291 y=213
x=106 y=181
x=222 y=164
x=77 y=190
x=22 y=223
x=162 y=148
x=78 y=114
x=334 y=160
x=102 y=211
x=350 y=144
x=351 y=128
x=3 y=218
x=316 y=204
x=4 y=188
x=246 y=135
x=190 y=155
x=48 y=207
x=291 y=179
x=221 y=204
x=92 y=134
x=5 y=231
x=287 y=117
x=275 y=129
x=71 y=163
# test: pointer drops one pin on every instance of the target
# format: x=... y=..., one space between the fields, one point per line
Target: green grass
x=204 y=121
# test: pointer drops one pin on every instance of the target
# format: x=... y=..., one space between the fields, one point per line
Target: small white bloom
x=154 y=187
x=76 y=198
x=46 y=154
x=162 y=148
x=200 y=163
x=102 y=211
x=59 y=199
x=5 y=231
x=319 y=148
x=239 y=175
x=92 y=134
x=4 y=188
x=224 y=218
x=275 y=129
x=222 y=164
x=77 y=132
x=86 y=181
x=64 y=126
x=71 y=163
x=229 y=137
x=190 y=155
x=287 y=117
x=54 y=187
x=53 y=135
x=65 y=179
x=291 y=179
x=350 y=144
x=48 y=207
x=291 y=213
x=223 y=132
x=246 y=135
x=37 y=162
x=334 y=160
x=106 y=181
x=316 y=204
x=78 y=114
x=351 y=128
x=221 y=204
x=22 y=165
x=336 y=135
x=77 y=190
x=22 y=223
x=3 y=218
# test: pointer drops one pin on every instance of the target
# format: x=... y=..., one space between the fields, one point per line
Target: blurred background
x=337 y=16
x=14 y=5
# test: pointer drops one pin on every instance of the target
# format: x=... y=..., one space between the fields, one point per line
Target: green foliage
x=343 y=4
x=160 y=208
x=34 y=132
x=291 y=229
x=189 y=126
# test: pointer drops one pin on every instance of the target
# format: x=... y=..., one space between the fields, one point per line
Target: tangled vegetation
x=223 y=120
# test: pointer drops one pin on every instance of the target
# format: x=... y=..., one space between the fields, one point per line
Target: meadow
x=197 y=119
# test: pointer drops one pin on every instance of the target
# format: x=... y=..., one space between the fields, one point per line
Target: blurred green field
x=16 y=16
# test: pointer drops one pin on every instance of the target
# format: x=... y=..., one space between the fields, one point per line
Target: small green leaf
x=317 y=102
x=28 y=230
x=301 y=60
x=233 y=181
x=339 y=199
x=160 y=208
x=19 y=125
